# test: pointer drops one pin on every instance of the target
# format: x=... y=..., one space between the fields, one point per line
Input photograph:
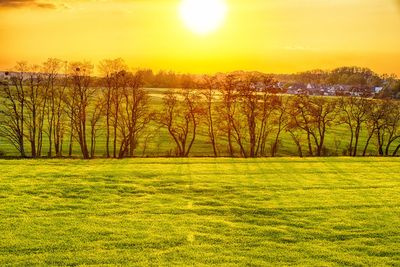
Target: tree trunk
x=108 y=132
x=71 y=140
x=310 y=150
x=396 y=150
x=367 y=144
x=357 y=137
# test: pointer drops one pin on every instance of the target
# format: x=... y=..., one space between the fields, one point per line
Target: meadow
x=232 y=212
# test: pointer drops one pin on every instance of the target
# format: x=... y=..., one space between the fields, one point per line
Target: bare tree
x=78 y=99
x=120 y=84
x=281 y=121
x=181 y=116
x=246 y=109
x=354 y=114
x=324 y=112
x=386 y=121
x=394 y=126
x=314 y=115
x=53 y=102
x=13 y=108
x=293 y=127
x=210 y=96
x=249 y=105
x=301 y=118
x=48 y=101
x=94 y=120
x=257 y=106
x=384 y=124
x=57 y=105
x=35 y=102
x=135 y=115
x=375 y=124
x=110 y=68
x=296 y=137
x=228 y=90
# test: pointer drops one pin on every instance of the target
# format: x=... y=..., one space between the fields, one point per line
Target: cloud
x=26 y=3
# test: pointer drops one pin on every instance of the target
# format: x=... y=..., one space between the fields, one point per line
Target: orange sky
x=278 y=36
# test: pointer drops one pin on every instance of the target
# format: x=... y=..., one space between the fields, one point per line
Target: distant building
x=377 y=90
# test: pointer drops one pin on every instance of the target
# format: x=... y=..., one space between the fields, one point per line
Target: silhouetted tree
x=314 y=115
x=229 y=95
x=13 y=108
x=94 y=120
x=78 y=99
x=54 y=90
x=135 y=115
x=281 y=121
x=210 y=96
x=354 y=113
x=181 y=116
x=112 y=71
x=35 y=107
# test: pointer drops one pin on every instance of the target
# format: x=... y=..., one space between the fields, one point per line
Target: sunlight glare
x=203 y=16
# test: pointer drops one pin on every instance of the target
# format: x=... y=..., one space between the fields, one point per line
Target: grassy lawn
x=283 y=211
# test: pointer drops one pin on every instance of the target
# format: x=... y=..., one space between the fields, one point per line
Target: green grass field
x=233 y=212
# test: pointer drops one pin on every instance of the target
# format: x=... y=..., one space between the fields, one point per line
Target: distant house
x=297 y=89
x=377 y=89
x=314 y=89
x=355 y=93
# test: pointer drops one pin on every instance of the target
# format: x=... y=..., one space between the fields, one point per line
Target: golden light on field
x=203 y=16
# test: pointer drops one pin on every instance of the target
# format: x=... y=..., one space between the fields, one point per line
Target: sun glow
x=203 y=16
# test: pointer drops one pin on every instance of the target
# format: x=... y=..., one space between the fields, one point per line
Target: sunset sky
x=278 y=36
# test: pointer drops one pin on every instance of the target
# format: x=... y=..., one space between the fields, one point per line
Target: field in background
x=324 y=212
x=160 y=144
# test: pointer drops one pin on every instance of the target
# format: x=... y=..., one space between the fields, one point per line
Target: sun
x=203 y=16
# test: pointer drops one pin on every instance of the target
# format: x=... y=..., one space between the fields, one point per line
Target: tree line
x=350 y=76
x=64 y=105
